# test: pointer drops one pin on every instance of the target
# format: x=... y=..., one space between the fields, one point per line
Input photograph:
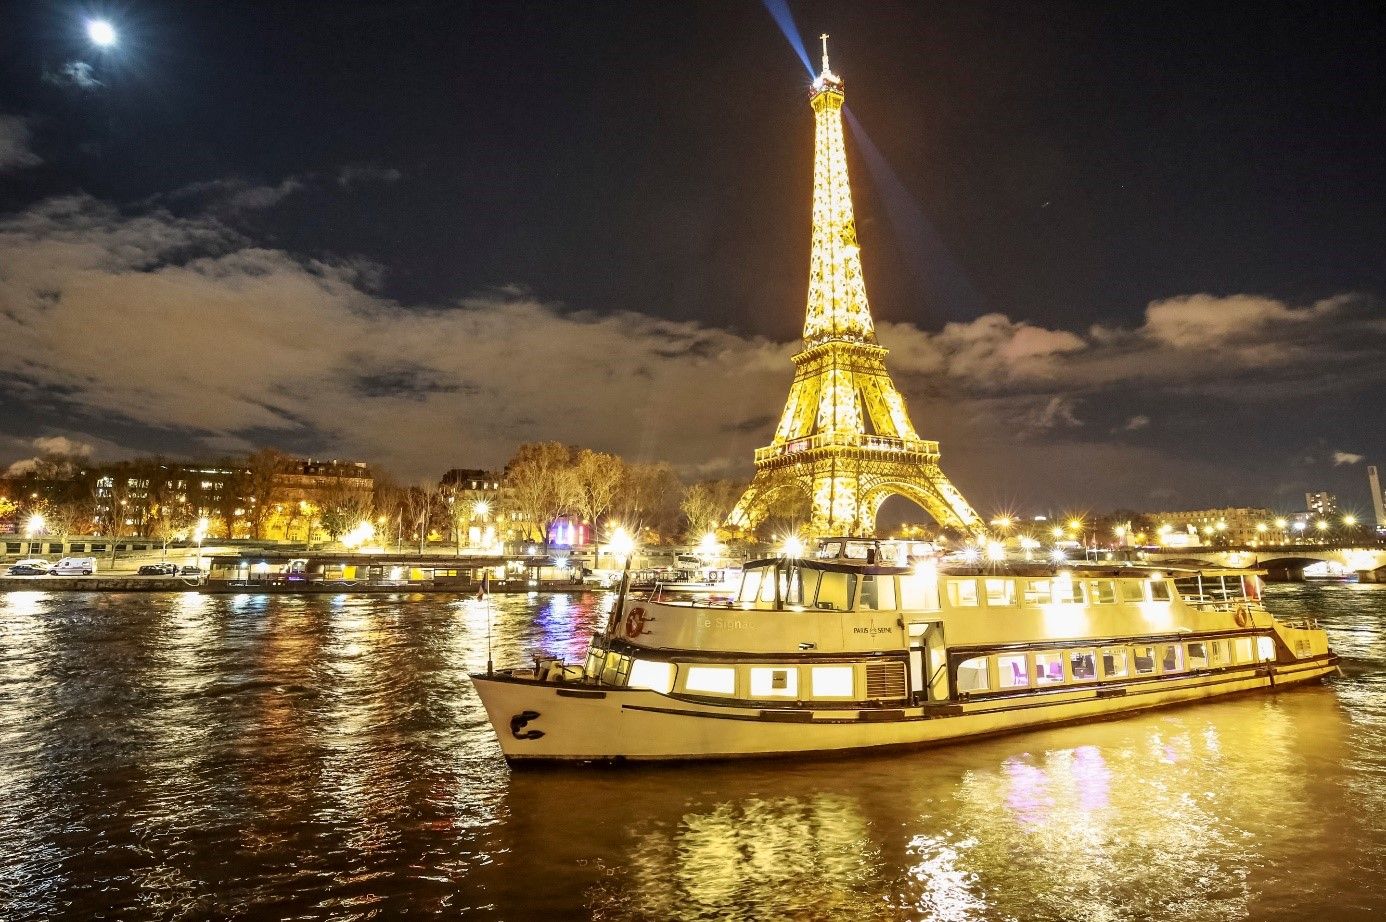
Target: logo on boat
x=871 y=630
x=735 y=623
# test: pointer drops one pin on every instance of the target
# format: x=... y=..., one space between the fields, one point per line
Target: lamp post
x=200 y=535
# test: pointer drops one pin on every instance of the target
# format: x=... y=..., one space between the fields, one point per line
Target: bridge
x=1283 y=561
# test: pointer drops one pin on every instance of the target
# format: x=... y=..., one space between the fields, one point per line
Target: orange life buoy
x=1243 y=617
x=635 y=622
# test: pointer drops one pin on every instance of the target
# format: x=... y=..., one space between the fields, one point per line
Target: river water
x=187 y=757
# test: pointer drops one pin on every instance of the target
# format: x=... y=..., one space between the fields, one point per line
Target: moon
x=101 y=33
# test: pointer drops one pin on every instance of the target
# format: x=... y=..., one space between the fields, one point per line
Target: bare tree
x=260 y=484
x=649 y=499
x=707 y=504
x=540 y=478
x=421 y=503
x=343 y=508
x=597 y=476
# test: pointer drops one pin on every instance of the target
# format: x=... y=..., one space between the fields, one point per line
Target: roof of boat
x=1002 y=568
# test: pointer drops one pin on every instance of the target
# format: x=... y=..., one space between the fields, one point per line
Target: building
x=1321 y=504
x=1241 y=525
x=475 y=494
x=1378 y=498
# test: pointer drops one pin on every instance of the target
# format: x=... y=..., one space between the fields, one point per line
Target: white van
x=72 y=566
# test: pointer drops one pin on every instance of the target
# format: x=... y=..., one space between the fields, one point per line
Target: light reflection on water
x=181 y=756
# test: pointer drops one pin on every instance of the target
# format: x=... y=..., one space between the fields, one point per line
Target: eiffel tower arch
x=845 y=437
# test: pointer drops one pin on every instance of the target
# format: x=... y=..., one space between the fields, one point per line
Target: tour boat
x=866 y=647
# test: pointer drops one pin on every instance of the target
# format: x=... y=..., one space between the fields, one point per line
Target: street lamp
x=792 y=547
x=622 y=545
x=34 y=527
x=200 y=535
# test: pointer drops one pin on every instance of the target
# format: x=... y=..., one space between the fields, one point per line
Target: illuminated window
x=1068 y=591
x=1172 y=658
x=1218 y=652
x=833 y=682
x=1244 y=649
x=1265 y=649
x=1159 y=591
x=1049 y=668
x=962 y=593
x=1198 y=656
x=1143 y=660
x=714 y=680
x=835 y=591
x=1132 y=590
x=1011 y=672
x=1000 y=592
x=877 y=593
x=774 y=682
x=1103 y=592
x=972 y=674
x=803 y=586
x=652 y=675
x=750 y=586
x=919 y=591
x=1114 y=663
x=1038 y=592
x=1082 y=665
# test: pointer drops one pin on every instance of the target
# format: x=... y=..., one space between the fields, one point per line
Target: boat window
x=1082 y=665
x=1172 y=658
x=1244 y=649
x=803 y=586
x=750 y=585
x=593 y=665
x=835 y=591
x=1114 y=663
x=962 y=593
x=1198 y=656
x=972 y=674
x=1068 y=591
x=1159 y=591
x=1000 y=592
x=716 y=680
x=1265 y=649
x=615 y=669
x=774 y=682
x=833 y=682
x=1038 y=592
x=652 y=675
x=1049 y=668
x=1144 y=660
x=877 y=593
x=1103 y=592
x=919 y=590
x=768 y=578
x=1011 y=672
x=1217 y=653
x=1132 y=590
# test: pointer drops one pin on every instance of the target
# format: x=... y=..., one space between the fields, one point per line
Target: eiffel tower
x=845 y=439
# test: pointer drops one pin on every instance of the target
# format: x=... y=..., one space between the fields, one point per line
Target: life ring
x=1243 y=617
x=635 y=622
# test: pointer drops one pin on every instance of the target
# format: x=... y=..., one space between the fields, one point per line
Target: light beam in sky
x=101 y=33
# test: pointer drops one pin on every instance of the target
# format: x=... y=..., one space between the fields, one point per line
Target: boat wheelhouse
x=870 y=645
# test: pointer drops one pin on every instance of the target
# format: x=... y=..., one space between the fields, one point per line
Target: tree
x=343 y=509
x=707 y=504
x=420 y=505
x=540 y=478
x=260 y=483
x=649 y=500
x=597 y=476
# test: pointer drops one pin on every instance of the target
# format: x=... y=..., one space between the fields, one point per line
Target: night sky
x=1123 y=256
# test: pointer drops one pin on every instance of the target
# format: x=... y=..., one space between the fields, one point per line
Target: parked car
x=32 y=562
x=191 y=570
x=73 y=566
x=29 y=568
x=159 y=569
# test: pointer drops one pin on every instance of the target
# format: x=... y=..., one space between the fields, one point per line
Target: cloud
x=50 y=448
x=1346 y=457
x=168 y=324
x=77 y=74
x=354 y=174
x=15 y=152
x=231 y=195
x=1136 y=423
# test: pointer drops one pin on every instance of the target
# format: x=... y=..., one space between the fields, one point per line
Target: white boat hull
x=539 y=721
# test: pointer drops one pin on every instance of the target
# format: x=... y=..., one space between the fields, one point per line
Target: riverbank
x=133 y=583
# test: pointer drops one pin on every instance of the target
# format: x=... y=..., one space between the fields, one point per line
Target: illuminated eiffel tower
x=845 y=439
